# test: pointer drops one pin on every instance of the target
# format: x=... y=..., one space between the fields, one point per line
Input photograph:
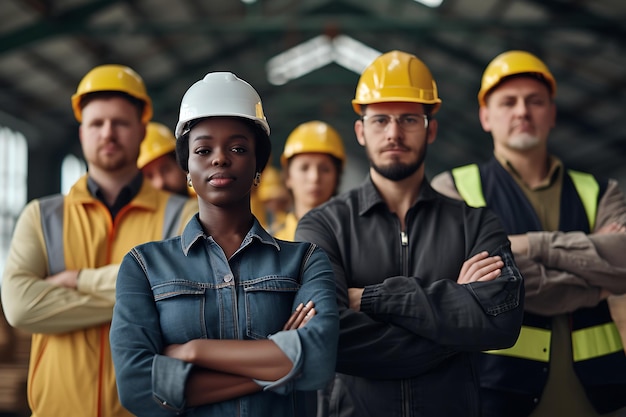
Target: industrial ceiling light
x=429 y=3
x=352 y=54
x=317 y=52
x=300 y=60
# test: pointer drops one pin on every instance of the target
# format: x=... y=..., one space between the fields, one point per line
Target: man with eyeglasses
x=423 y=281
x=568 y=234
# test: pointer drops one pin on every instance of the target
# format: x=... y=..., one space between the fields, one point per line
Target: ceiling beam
x=73 y=23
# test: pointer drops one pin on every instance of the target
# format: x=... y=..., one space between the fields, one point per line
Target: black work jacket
x=408 y=352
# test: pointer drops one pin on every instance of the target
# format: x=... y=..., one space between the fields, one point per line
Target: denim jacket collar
x=193 y=232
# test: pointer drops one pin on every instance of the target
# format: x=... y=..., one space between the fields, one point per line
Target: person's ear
x=144 y=131
x=80 y=133
x=483 y=116
x=433 y=125
x=358 y=130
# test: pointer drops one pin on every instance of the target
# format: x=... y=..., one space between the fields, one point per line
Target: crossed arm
x=479 y=268
x=403 y=326
x=226 y=369
x=566 y=271
x=38 y=302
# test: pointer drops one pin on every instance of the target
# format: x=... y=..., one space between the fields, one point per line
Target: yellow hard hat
x=313 y=137
x=271 y=185
x=159 y=141
x=396 y=76
x=113 y=78
x=513 y=63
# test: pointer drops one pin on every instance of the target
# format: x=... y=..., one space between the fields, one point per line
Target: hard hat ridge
x=159 y=141
x=511 y=63
x=396 y=76
x=221 y=94
x=116 y=78
x=313 y=137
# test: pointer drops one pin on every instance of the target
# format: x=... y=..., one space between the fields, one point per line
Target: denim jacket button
x=228 y=277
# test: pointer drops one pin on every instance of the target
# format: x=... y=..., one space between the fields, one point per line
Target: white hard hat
x=221 y=94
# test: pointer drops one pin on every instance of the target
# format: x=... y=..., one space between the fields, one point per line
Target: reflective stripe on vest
x=592 y=342
x=595 y=341
x=534 y=343
x=588 y=190
x=467 y=181
x=172 y=215
x=51 y=209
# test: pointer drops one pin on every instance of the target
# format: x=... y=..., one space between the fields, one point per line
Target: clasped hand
x=479 y=268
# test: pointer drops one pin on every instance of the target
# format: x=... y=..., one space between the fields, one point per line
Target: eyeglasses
x=409 y=123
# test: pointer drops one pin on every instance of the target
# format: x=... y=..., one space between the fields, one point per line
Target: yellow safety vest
x=534 y=343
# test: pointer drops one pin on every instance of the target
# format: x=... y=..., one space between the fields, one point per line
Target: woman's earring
x=189 y=181
x=257 y=179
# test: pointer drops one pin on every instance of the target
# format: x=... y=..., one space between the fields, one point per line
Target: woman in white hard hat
x=224 y=318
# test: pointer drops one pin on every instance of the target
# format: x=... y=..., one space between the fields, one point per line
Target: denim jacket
x=184 y=288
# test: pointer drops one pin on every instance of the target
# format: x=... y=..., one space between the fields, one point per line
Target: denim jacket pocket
x=269 y=303
x=181 y=310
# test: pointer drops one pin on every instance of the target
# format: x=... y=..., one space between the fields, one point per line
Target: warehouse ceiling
x=47 y=46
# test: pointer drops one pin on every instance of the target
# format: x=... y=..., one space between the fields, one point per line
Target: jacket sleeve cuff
x=289 y=343
x=553 y=248
x=168 y=382
x=538 y=246
x=369 y=297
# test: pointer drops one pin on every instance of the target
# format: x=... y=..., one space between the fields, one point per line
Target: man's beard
x=110 y=165
x=113 y=163
x=397 y=171
x=523 y=141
